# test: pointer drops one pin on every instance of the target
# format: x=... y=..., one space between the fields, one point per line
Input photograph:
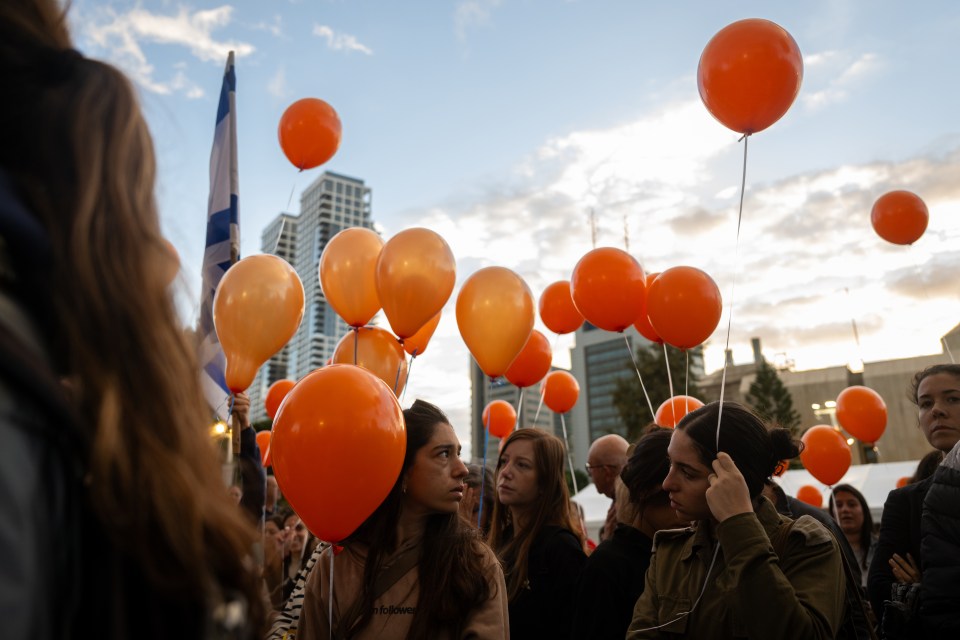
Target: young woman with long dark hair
x=852 y=512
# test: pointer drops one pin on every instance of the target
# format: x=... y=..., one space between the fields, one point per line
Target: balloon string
x=947 y=347
x=566 y=444
x=330 y=592
x=666 y=360
x=413 y=358
x=483 y=468
x=283 y=222
x=686 y=384
x=356 y=343
x=536 y=417
x=293 y=188
x=396 y=381
x=520 y=409
x=639 y=377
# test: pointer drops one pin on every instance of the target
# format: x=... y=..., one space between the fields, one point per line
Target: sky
x=500 y=124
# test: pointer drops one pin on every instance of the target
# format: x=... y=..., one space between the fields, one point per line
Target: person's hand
x=241 y=409
x=905 y=571
x=727 y=494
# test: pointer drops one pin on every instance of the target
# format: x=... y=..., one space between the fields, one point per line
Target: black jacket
x=940 y=545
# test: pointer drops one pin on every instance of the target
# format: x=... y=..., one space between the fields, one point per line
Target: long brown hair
x=80 y=157
x=553 y=508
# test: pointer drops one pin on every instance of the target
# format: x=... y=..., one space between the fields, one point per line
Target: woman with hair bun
x=741 y=570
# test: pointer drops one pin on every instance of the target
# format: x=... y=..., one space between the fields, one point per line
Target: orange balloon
x=495 y=315
x=415 y=277
x=899 y=217
x=378 y=352
x=673 y=410
x=533 y=362
x=275 y=395
x=811 y=495
x=309 y=133
x=500 y=418
x=826 y=455
x=560 y=391
x=608 y=286
x=684 y=305
x=263 y=441
x=902 y=482
x=642 y=324
x=557 y=310
x=862 y=412
x=337 y=446
x=749 y=74
x=256 y=310
x=348 y=274
x=416 y=344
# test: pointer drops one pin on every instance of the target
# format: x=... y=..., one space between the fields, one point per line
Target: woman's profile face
x=686 y=482
x=849 y=512
x=434 y=482
x=517 y=482
x=938 y=398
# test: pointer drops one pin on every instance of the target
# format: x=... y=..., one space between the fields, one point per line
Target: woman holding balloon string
x=534 y=535
x=413 y=569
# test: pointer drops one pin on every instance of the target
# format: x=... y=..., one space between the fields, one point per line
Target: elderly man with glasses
x=605 y=460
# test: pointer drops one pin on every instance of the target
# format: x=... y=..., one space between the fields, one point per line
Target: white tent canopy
x=595 y=506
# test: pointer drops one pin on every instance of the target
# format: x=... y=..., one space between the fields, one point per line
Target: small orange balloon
x=862 y=412
x=557 y=310
x=263 y=441
x=560 y=391
x=684 y=306
x=811 y=495
x=500 y=418
x=275 y=395
x=415 y=277
x=338 y=445
x=257 y=308
x=749 y=74
x=826 y=455
x=673 y=410
x=416 y=344
x=495 y=315
x=309 y=133
x=902 y=482
x=900 y=217
x=642 y=324
x=348 y=274
x=533 y=362
x=608 y=286
x=378 y=352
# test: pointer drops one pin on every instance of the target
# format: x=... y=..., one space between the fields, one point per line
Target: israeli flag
x=223 y=239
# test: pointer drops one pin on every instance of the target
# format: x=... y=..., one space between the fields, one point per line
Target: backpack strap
x=388 y=576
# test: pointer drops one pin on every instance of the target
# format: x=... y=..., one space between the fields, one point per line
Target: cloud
x=473 y=13
x=340 y=41
x=836 y=74
x=277 y=86
x=121 y=36
x=275 y=28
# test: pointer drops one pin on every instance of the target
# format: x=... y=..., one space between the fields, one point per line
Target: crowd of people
x=115 y=521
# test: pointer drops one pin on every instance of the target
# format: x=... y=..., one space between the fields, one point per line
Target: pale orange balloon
x=495 y=314
x=674 y=409
x=257 y=309
x=377 y=351
x=560 y=391
x=348 y=274
x=416 y=344
x=415 y=277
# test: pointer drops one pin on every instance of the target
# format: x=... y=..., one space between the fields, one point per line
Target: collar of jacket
x=701 y=538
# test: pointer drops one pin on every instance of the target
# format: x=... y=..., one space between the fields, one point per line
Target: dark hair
x=927 y=465
x=646 y=469
x=451 y=553
x=952 y=369
x=553 y=508
x=755 y=449
x=866 y=529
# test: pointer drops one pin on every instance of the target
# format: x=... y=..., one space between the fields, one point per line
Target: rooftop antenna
x=593 y=227
x=626 y=234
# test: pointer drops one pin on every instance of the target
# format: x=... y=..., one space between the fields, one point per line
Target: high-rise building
x=332 y=203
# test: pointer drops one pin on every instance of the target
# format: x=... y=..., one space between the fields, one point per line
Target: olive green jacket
x=750 y=593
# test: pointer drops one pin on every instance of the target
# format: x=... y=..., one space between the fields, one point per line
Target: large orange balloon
x=684 y=305
x=256 y=310
x=533 y=362
x=309 y=133
x=557 y=310
x=378 y=352
x=608 y=286
x=811 y=495
x=500 y=418
x=673 y=410
x=900 y=217
x=495 y=315
x=749 y=74
x=642 y=323
x=337 y=447
x=275 y=395
x=826 y=455
x=416 y=344
x=348 y=274
x=560 y=391
x=263 y=441
x=862 y=412
x=415 y=277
